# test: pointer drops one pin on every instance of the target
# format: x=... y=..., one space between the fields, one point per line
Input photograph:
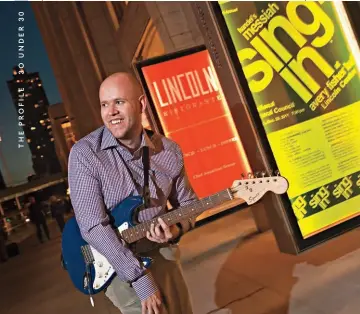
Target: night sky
x=36 y=60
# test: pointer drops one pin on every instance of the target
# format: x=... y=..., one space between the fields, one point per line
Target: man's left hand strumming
x=162 y=233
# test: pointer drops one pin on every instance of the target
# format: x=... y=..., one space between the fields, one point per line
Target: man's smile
x=116 y=121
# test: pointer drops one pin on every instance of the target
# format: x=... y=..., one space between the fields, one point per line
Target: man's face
x=32 y=200
x=120 y=108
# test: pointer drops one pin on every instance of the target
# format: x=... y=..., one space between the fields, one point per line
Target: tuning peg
x=250 y=175
x=257 y=174
x=263 y=173
x=242 y=176
x=277 y=172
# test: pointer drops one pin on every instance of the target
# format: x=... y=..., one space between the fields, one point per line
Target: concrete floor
x=228 y=266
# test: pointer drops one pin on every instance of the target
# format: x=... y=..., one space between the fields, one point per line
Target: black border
x=352 y=9
x=303 y=244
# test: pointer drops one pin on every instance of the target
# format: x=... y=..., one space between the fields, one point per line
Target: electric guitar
x=91 y=272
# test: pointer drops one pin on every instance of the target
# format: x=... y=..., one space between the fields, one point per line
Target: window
x=69 y=134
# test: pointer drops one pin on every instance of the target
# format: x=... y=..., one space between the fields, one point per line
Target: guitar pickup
x=87 y=254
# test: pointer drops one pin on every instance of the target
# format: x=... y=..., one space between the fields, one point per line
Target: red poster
x=193 y=112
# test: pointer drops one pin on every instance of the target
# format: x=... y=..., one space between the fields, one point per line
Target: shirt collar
x=145 y=141
x=108 y=140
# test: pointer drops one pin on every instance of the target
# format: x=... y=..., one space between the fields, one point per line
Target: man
x=37 y=217
x=3 y=237
x=105 y=167
x=57 y=207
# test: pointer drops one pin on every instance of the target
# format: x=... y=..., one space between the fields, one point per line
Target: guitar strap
x=146 y=165
x=146 y=189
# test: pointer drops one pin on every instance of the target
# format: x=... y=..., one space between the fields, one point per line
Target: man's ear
x=143 y=103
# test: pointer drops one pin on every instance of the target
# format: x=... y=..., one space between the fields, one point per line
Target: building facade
x=97 y=39
x=63 y=133
x=35 y=118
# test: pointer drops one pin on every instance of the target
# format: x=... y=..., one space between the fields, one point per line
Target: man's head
x=53 y=199
x=122 y=103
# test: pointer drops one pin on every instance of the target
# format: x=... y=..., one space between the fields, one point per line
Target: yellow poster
x=301 y=68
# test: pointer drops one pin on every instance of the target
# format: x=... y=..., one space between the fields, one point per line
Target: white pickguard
x=103 y=269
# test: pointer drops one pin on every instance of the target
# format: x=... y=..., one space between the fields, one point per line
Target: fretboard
x=174 y=216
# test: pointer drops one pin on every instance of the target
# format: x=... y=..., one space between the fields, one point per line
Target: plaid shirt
x=102 y=173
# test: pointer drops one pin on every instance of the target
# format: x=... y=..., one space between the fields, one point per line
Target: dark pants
x=44 y=226
x=61 y=222
x=3 y=252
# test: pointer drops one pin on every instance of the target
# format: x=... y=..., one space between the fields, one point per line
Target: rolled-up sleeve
x=93 y=221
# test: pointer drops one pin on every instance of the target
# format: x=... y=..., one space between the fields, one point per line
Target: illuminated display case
x=187 y=105
x=298 y=64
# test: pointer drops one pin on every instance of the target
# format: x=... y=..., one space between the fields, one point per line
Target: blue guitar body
x=75 y=250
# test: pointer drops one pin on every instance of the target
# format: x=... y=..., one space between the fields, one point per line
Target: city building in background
x=37 y=127
x=63 y=133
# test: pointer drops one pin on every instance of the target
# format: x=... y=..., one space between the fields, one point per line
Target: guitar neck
x=138 y=232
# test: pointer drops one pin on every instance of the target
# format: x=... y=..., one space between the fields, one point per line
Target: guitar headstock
x=252 y=188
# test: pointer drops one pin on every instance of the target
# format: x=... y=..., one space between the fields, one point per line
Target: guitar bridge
x=87 y=254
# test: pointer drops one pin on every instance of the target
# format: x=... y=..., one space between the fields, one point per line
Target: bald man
x=105 y=167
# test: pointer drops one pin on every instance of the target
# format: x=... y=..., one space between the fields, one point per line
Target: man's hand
x=161 y=233
x=152 y=304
